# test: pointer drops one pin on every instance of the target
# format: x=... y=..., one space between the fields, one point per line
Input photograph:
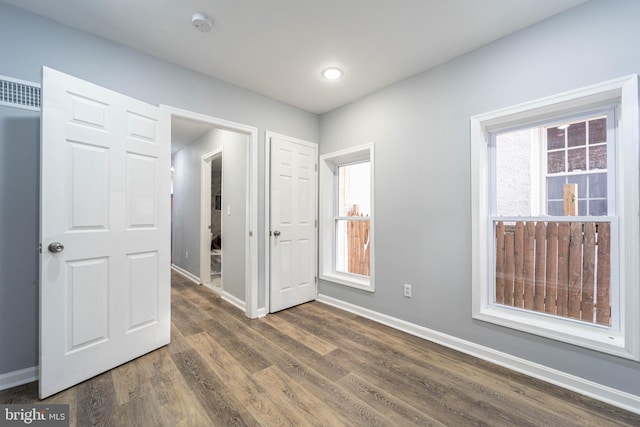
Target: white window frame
x=329 y=164
x=623 y=338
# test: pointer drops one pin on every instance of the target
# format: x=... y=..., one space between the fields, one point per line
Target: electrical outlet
x=186 y=254
x=407 y=290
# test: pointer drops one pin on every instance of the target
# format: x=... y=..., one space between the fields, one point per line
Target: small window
x=555 y=196
x=346 y=208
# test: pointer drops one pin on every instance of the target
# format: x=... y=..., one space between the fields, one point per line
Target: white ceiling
x=278 y=47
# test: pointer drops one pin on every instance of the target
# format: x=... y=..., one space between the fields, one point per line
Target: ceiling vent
x=19 y=94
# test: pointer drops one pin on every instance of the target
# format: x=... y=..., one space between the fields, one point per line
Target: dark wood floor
x=311 y=365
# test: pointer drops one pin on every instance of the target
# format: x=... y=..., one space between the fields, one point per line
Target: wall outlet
x=407 y=290
x=186 y=254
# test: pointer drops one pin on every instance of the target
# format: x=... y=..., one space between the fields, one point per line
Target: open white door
x=293 y=201
x=105 y=227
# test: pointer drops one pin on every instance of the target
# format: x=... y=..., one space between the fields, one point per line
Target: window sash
x=614 y=278
x=609 y=111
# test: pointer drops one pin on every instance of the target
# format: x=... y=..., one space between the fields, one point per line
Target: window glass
x=354 y=195
x=352 y=226
x=574 y=153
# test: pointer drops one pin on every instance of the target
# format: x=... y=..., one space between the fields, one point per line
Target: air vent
x=19 y=94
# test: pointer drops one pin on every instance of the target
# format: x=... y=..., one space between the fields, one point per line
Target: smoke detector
x=201 y=22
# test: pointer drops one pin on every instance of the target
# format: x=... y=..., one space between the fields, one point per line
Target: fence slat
x=588 y=269
x=552 y=268
x=575 y=271
x=500 y=262
x=564 y=233
x=518 y=277
x=560 y=268
x=509 y=268
x=541 y=252
x=529 y=263
x=359 y=250
x=603 y=310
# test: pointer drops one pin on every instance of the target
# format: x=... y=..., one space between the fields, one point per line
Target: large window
x=346 y=208
x=555 y=226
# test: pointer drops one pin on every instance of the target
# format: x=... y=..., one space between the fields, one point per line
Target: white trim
x=251 y=253
x=20 y=377
x=326 y=209
x=621 y=399
x=216 y=289
x=623 y=338
x=205 y=213
x=267 y=220
x=267 y=210
x=195 y=279
x=233 y=300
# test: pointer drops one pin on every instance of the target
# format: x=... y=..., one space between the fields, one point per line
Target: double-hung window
x=346 y=212
x=555 y=225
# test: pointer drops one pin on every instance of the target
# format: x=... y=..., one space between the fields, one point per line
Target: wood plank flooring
x=312 y=365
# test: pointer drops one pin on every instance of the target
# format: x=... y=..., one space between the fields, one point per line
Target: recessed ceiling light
x=332 y=73
x=201 y=22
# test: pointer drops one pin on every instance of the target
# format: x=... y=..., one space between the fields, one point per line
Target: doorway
x=190 y=232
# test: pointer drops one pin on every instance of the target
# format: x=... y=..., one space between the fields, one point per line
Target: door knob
x=56 y=247
x=276 y=233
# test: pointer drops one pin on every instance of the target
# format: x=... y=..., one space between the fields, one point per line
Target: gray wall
x=186 y=206
x=31 y=42
x=423 y=185
x=19 y=189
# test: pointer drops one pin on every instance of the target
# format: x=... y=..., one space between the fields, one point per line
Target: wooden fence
x=358 y=243
x=561 y=268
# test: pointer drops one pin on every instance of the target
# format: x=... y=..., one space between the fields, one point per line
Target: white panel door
x=105 y=206
x=293 y=222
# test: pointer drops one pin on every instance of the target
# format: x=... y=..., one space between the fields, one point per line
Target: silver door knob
x=276 y=233
x=56 y=247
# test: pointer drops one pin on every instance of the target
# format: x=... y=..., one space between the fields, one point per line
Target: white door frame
x=251 y=243
x=205 y=216
x=267 y=212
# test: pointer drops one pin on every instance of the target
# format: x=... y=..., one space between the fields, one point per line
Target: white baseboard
x=186 y=274
x=612 y=396
x=223 y=294
x=234 y=301
x=16 y=378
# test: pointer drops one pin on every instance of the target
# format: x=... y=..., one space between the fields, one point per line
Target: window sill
x=362 y=283
x=570 y=331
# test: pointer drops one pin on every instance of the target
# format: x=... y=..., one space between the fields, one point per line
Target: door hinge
x=316 y=167
x=39 y=247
